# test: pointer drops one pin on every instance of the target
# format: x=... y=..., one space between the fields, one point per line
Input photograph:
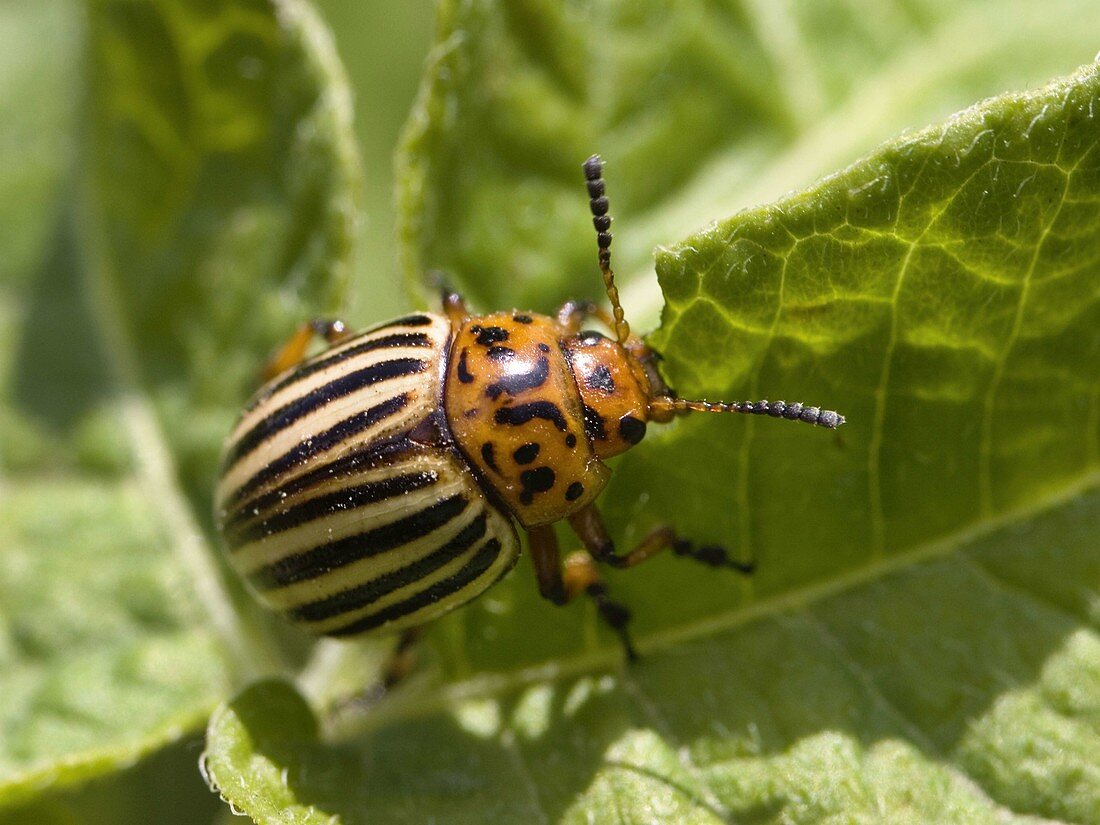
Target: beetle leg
x=573 y=314
x=588 y=524
x=402 y=658
x=579 y=576
x=396 y=668
x=294 y=351
x=452 y=303
x=454 y=307
x=546 y=555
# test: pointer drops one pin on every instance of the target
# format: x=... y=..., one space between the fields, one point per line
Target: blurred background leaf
x=212 y=206
x=104 y=654
x=164 y=788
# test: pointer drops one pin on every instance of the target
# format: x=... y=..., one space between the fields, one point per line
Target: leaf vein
x=909 y=725
x=985 y=448
x=653 y=710
x=744 y=452
x=996 y=580
x=515 y=754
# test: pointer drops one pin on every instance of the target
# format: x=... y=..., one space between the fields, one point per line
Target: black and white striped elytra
x=340 y=504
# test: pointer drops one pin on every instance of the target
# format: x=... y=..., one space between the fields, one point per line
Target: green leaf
x=920 y=640
x=383 y=47
x=224 y=182
x=210 y=213
x=960 y=687
x=164 y=788
x=699 y=109
x=731 y=334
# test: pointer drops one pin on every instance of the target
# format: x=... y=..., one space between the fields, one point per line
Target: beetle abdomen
x=334 y=515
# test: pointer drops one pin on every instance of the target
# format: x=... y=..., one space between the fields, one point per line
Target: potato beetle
x=377 y=485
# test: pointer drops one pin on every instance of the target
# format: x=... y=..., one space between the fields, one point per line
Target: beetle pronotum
x=377 y=485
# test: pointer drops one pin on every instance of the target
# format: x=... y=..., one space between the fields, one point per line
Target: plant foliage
x=920 y=641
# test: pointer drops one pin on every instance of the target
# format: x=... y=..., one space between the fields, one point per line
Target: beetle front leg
x=454 y=307
x=588 y=525
x=572 y=315
x=293 y=352
x=580 y=575
x=451 y=303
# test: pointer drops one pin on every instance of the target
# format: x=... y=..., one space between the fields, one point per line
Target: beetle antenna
x=597 y=200
x=776 y=409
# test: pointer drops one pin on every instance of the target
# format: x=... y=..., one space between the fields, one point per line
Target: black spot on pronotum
x=517 y=383
x=594 y=425
x=570 y=441
x=631 y=429
x=574 y=491
x=488 y=457
x=527 y=453
x=600 y=379
x=544 y=347
x=486 y=336
x=538 y=480
x=499 y=353
x=522 y=319
x=590 y=337
x=522 y=413
x=463 y=372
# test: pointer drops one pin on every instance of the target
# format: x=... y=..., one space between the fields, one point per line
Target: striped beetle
x=375 y=486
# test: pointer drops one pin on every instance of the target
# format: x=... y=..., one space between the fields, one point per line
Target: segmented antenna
x=776 y=409
x=593 y=175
